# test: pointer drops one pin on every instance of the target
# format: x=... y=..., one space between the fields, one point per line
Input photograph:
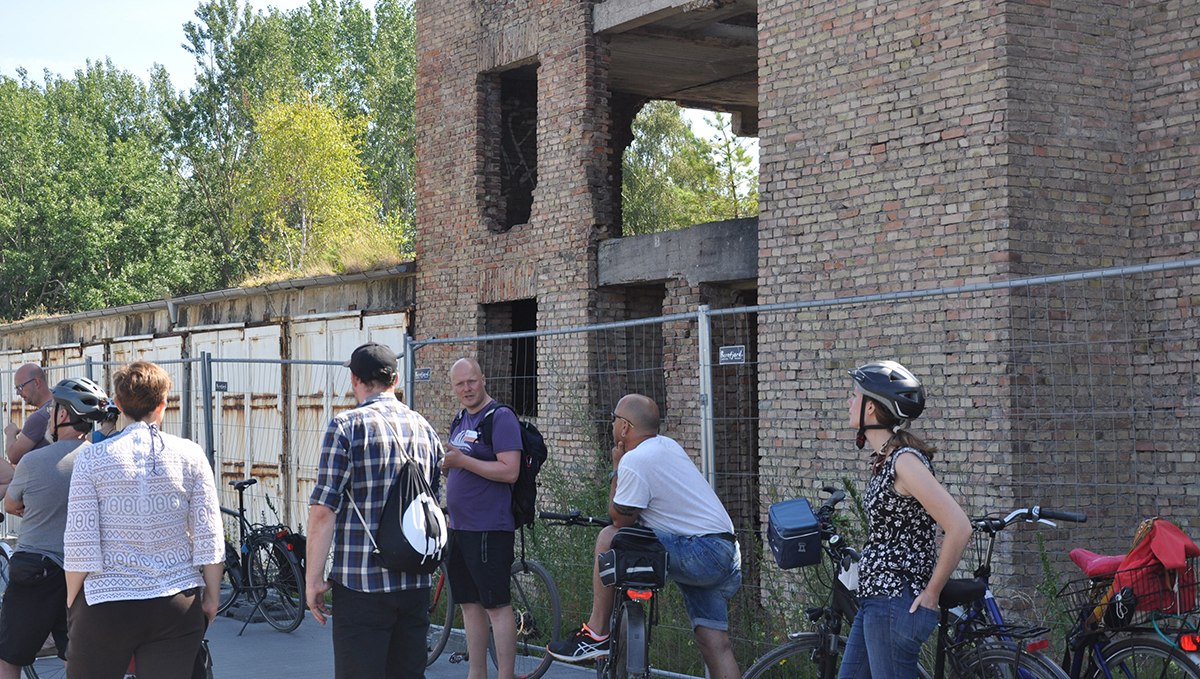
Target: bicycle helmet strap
x=860 y=439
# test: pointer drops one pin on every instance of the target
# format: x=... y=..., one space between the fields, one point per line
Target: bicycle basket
x=793 y=533
x=1133 y=596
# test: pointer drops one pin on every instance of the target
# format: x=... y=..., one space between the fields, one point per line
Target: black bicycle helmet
x=83 y=398
x=895 y=388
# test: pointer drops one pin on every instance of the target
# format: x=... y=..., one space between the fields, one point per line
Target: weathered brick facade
x=904 y=146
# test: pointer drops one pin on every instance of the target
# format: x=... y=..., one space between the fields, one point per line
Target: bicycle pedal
x=457 y=657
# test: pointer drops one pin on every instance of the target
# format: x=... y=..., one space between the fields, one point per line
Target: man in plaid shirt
x=382 y=615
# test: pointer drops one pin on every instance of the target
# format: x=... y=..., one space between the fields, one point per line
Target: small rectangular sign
x=423 y=374
x=221 y=386
x=732 y=354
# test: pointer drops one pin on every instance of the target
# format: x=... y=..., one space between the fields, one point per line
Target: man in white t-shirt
x=656 y=484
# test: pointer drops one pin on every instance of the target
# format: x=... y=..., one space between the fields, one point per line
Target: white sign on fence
x=732 y=354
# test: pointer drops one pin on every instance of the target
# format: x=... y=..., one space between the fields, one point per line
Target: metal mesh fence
x=1077 y=392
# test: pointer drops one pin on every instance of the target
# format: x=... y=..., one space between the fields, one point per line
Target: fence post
x=206 y=396
x=87 y=368
x=410 y=370
x=708 y=464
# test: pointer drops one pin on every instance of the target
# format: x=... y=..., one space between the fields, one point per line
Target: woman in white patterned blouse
x=144 y=543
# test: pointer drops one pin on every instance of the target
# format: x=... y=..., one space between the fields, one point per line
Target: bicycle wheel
x=538 y=612
x=277 y=585
x=800 y=658
x=45 y=668
x=444 y=617
x=1002 y=661
x=231 y=579
x=1144 y=656
x=5 y=552
x=632 y=660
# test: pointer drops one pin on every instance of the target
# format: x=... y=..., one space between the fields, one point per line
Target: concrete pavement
x=263 y=653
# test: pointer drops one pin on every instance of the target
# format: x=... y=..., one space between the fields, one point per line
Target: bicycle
x=630 y=623
x=970 y=649
x=264 y=567
x=1116 y=637
x=536 y=607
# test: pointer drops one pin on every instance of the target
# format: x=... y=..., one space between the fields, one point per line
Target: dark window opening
x=511 y=118
x=510 y=366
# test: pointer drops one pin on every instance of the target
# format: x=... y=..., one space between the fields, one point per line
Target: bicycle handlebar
x=574 y=518
x=1032 y=514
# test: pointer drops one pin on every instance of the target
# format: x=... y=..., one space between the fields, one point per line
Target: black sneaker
x=578 y=647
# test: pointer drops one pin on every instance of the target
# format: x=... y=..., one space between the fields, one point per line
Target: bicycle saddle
x=244 y=483
x=960 y=591
x=1096 y=565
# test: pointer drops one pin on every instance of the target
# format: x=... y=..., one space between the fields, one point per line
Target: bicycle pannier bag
x=637 y=559
x=792 y=533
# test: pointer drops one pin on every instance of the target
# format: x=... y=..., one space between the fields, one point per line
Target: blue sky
x=61 y=35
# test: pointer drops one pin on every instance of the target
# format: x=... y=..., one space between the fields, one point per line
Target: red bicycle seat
x=1096 y=565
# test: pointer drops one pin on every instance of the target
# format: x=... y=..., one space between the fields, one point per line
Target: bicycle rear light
x=1190 y=641
x=1039 y=645
x=640 y=594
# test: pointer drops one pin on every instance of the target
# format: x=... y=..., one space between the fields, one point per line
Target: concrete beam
x=618 y=16
x=716 y=252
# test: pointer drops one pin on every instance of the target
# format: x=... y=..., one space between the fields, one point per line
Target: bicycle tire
x=45 y=668
x=5 y=553
x=231 y=579
x=276 y=585
x=1001 y=660
x=799 y=658
x=443 y=614
x=538 y=611
x=633 y=655
x=1144 y=656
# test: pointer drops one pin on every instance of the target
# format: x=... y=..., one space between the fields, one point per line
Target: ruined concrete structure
x=904 y=145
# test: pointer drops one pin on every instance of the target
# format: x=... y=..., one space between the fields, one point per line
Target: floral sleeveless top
x=901 y=550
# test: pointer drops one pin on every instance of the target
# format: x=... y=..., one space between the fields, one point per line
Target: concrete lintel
x=715 y=252
x=618 y=16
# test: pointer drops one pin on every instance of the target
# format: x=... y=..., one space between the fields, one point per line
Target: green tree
x=673 y=179
x=735 y=193
x=87 y=204
x=304 y=190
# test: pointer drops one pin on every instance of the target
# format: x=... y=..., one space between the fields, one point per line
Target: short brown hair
x=139 y=387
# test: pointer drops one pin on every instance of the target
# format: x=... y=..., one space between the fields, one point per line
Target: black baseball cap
x=373 y=362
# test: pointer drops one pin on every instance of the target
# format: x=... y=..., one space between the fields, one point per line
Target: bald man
x=483 y=459
x=655 y=483
x=30 y=382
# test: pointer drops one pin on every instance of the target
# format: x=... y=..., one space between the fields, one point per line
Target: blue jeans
x=708 y=571
x=886 y=639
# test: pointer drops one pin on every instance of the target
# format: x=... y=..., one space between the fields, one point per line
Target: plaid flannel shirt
x=361 y=455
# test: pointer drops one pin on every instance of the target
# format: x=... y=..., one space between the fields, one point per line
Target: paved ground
x=263 y=653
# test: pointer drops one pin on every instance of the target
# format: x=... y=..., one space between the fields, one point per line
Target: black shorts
x=35 y=606
x=479 y=565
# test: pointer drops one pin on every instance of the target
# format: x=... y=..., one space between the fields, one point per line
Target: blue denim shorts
x=708 y=570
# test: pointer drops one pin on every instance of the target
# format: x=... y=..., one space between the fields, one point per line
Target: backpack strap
x=485 y=425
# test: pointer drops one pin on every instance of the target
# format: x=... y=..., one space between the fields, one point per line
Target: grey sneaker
x=579 y=646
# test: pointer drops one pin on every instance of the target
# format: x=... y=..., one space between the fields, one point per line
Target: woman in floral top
x=902 y=573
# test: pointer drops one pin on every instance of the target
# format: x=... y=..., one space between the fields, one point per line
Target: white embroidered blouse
x=142 y=516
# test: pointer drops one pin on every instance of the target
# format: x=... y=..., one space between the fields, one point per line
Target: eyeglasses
x=616 y=417
x=26 y=383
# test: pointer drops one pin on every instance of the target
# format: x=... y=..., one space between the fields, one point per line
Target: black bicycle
x=634 y=610
x=959 y=651
x=266 y=567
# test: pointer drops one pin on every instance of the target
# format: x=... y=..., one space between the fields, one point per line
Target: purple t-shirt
x=473 y=502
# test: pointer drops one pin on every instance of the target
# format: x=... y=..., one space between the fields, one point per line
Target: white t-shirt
x=659 y=478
